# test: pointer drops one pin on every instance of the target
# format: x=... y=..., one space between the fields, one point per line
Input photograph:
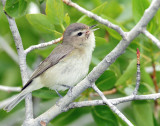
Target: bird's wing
x=56 y=55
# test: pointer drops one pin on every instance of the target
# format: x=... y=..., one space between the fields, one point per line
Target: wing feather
x=56 y=55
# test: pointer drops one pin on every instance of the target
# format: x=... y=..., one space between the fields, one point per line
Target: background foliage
x=49 y=23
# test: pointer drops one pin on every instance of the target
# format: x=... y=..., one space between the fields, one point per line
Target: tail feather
x=31 y=86
x=13 y=103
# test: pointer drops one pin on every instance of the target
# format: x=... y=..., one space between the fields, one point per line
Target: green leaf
x=55 y=11
x=40 y=22
x=158 y=17
x=41 y=1
x=110 y=10
x=46 y=93
x=143 y=113
x=22 y=6
x=67 y=19
x=70 y=116
x=145 y=77
x=112 y=32
x=45 y=52
x=106 y=81
x=102 y=47
x=139 y=7
x=144 y=89
x=43 y=25
x=128 y=73
x=103 y=116
x=16 y=8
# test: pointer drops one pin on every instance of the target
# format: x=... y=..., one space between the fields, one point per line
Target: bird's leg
x=58 y=93
x=70 y=89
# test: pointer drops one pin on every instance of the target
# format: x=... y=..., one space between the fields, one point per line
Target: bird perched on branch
x=67 y=64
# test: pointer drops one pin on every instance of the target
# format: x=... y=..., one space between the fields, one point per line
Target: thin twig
x=151 y=37
x=109 y=92
x=97 y=18
x=6 y=47
x=9 y=89
x=154 y=78
x=138 y=73
x=112 y=107
x=41 y=45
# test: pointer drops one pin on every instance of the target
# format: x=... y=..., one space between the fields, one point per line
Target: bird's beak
x=91 y=28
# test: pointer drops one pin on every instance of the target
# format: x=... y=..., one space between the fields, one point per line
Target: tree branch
x=112 y=107
x=6 y=47
x=97 y=18
x=138 y=73
x=151 y=37
x=108 y=92
x=22 y=61
x=114 y=101
x=7 y=88
x=8 y=50
x=41 y=45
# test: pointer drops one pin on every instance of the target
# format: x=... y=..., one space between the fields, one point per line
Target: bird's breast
x=68 y=71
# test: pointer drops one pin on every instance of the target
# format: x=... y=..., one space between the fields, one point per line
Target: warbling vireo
x=67 y=64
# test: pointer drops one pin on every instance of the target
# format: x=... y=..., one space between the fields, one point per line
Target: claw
x=69 y=91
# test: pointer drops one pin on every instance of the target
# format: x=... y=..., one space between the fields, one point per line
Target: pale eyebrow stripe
x=75 y=32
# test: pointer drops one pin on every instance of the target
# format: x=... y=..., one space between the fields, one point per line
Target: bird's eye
x=80 y=33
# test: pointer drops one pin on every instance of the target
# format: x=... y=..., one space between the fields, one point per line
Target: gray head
x=77 y=34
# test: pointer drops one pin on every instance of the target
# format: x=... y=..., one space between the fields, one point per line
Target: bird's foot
x=69 y=91
x=59 y=94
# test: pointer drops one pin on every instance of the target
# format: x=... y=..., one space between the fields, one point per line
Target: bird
x=66 y=65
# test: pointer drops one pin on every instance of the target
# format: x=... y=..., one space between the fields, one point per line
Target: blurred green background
x=44 y=20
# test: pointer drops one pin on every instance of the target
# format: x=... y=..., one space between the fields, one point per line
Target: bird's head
x=79 y=35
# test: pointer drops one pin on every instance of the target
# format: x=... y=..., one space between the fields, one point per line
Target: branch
x=114 y=101
x=112 y=107
x=97 y=18
x=151 y=37
x=6 y=47
x=7 y=88
x=108 y=92
x=8 y=50
x=41 y=45
x=138 y=73
x=22 y=61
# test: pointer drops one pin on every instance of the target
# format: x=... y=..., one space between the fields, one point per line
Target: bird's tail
x=25 y=91
x=15 y=101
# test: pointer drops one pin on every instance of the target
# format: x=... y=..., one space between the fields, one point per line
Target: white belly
x=68 y=71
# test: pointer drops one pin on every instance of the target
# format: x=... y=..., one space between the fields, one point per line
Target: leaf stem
x=62 y=26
